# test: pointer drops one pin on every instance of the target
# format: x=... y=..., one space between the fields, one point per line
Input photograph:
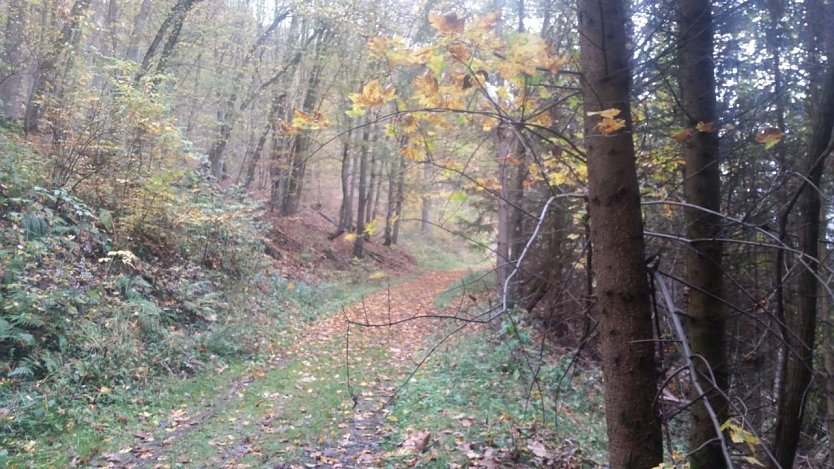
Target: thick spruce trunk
x=622 y=291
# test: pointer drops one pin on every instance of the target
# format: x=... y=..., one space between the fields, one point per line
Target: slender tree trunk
x=277 y=171
x=46 y=74
x=139 y=24
x=346 y=210
x=371 y=187
x=173 y=22
x=277 y=101
x=398 y=205
x=362 y=196
x=802 y=322
x=390 y=203
x=622 y=307
x=425 y=207
x=378 y=189
x=517 y=239
x=230 y=113
x=505 y=145
x=298 y=167
x=702 y=187
x=11 y=73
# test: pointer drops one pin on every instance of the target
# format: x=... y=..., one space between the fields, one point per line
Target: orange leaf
x=705 y=127
x=459 y=51
x=770 y=137
x=609 y=126
x=373 y=95
x=447 y=24
x=681 y=135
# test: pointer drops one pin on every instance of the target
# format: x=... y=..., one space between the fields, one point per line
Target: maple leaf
x=377 y=44
x=417 y=441
x=303 y=120
x=459 y=51
x=411 y=153
x=447 y=24
x=485 y=24
x=681 y=135
x=770 y=137
x=427 y=84
x=288 y=128
x=705 y=127
x=373 y=95
x=420 y=56
x=609 y=113
x=609 y=123
x=609 y=126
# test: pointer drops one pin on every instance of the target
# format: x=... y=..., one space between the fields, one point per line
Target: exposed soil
x=303 y=250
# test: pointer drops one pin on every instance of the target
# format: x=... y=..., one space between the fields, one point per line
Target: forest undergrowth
x=172 y=339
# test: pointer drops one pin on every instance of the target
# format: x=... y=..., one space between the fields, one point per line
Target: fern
x=34 y=226
x=21 y=372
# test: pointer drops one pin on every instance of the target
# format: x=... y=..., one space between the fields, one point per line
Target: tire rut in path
x=362 y=430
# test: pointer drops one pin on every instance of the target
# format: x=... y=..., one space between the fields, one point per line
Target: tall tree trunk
x=425 y=207
x=298 y=160
x=46 y=74
x=346 y=208
x=378 y=189
x=11 y=73
x=173 y=22
x=398 y=205
x=362 y=196
x=371 y=187
x=277 y=170
x=277 y=101
x=702 y=187
x=622 y=307
x=390 y=202
x=517 y=239
x=139 y=24
x=505 y=137
x=229 y=114
x=801 y=322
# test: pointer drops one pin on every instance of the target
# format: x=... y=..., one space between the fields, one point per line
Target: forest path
x=296 y=409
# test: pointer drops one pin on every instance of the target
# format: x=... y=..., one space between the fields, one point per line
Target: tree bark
x=11 y=75
x=505 y=145
x=390 y=202
x=298 y=159
x=425 y=203
x=277 y=101
x=801 y=322
x=46 y=74
x=622 y=306
x=346 y=208
x=173 y=21
x=362 y=196
x=139 y=23
x=702 y=187
x=226 y=125
x=398 y=205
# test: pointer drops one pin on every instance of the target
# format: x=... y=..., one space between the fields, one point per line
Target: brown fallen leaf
x=538 y=448
x=417 y=441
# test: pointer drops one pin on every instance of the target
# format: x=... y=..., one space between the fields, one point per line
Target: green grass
x=475 y=282
x=96 y=423
x=475 y=394
x=440 y=255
